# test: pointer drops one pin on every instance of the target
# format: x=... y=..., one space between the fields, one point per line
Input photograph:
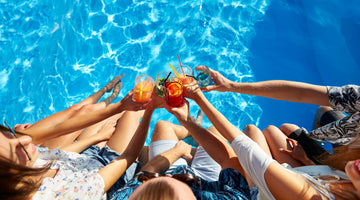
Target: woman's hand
x=156 y=101
x=21 y=127
x=185 y=149
x=221 y=83
x=106 y=130
x=129 y=104
x=181 y=113
x=297 y=152
x=192 y=90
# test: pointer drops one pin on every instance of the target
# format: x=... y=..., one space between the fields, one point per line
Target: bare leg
x=125 y=130
x=276 y=139
x=93 y=129
x=115 y=93
x=165 y=130
x=85 y=108
x=70 y=112
x=70 y=137
x=319 y=113
x=108 y=127
x=257 y=136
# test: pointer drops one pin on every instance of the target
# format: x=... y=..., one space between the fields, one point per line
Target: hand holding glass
x=174 y=94
x=143 y=89
x=203 y=76
x=160 y=83
x=187 y=71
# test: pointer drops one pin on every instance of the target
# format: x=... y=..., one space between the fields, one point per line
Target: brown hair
x=159 y=190
x=340 y=155
x=337 y=159
x=4 y=128
x=18 y=181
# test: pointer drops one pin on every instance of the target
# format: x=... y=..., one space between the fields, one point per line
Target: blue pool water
x=54 y=53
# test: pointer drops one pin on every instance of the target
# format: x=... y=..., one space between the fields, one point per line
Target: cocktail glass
x=160 y=83
x=174 y=95
x=203 y=76
x=144 y=85
x=187 y=71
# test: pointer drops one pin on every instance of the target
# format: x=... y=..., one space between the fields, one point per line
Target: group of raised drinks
x=170 y=84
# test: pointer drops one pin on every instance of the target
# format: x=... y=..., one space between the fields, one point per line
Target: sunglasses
x=13 y=132
x=185 y=178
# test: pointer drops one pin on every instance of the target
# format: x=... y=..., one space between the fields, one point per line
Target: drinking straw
x=174 y=70
x=180 y=64
x=191 y=76
x=141 y=87
x=166 y=78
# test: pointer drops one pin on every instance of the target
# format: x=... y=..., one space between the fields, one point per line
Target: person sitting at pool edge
x=85 y=106
x=273 y=180
x=215 y=177
x=345 y=99
x=41 y=175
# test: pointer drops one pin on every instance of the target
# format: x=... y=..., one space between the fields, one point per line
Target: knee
x=88 y=108
x=162 y=125
x=287 y=129
x=163 y=130
x=75 y=108
x=250 y=128
x=323 y=109
x=320 y=112
x=270 y=130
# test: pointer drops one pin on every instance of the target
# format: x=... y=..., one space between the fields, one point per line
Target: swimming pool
x=56 y=53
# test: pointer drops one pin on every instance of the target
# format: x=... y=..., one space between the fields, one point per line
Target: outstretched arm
x=215 y=145
x=114 y=170
x=276 y=179
x=275 y=89
x=43 y=133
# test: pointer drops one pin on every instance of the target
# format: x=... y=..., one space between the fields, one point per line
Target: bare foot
x=115 y=93
x=113 y=82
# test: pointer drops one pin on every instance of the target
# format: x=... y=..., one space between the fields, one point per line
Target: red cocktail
x=174 y=94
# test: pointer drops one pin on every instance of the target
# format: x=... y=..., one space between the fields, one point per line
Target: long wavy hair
x=337 y=159
x=339 y=156
x=18 y=181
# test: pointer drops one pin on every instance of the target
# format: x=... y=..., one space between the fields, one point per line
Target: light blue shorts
x=202 y=164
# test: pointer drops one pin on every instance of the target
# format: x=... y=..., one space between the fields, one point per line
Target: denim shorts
x=105 y=156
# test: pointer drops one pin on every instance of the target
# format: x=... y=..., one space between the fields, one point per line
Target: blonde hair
x=158 y=190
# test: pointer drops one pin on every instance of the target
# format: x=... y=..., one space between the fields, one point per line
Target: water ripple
x=62 y=51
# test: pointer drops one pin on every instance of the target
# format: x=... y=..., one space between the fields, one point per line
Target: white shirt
x=76 y=178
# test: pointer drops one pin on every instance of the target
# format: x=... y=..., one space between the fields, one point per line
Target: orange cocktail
x=143 y=89
x=174 y=94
